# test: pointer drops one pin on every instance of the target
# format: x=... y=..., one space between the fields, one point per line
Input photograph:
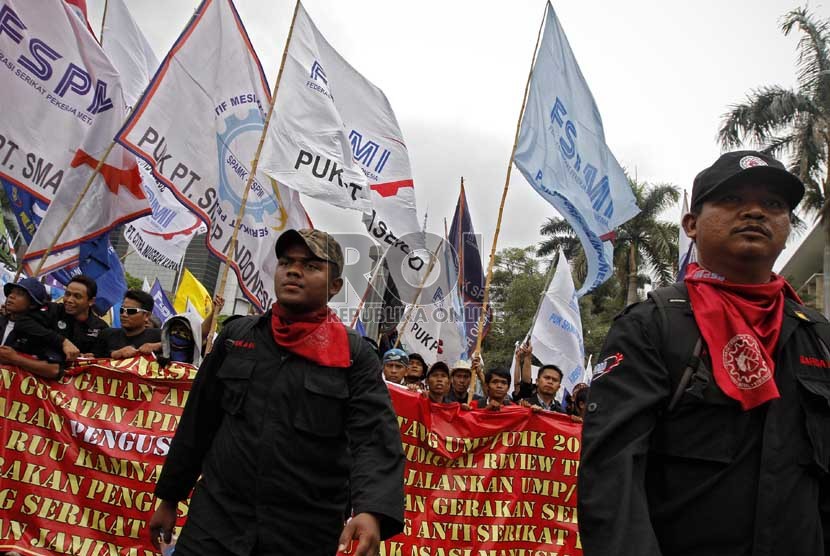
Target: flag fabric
x=335 y=137
x=212 y=80
x=145 y=285
x=99 y=261
x=563 y=155
x=464 y=241
x=6 y=246
x=66 y=112
x=161 y=238
x=557 y=331
x=162 y=308
x=434 y=326
x=128 y=50
x=686 y=252
x=192 y=291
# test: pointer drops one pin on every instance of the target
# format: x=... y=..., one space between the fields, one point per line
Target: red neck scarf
x=740 y=324
x=319 y=337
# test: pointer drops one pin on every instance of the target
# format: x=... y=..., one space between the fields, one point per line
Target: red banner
x=79 y=457
x=486 y=483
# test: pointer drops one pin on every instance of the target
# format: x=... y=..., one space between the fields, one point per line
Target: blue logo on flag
x=318 y=73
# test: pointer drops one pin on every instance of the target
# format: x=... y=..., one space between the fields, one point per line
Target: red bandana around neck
x=740 y=324
x=319 y=336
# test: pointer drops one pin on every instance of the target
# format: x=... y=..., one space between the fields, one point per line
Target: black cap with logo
x=743 y=166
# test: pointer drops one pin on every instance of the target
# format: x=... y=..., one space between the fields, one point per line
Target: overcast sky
x=662 y=73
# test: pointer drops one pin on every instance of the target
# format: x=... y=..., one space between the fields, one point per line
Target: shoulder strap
x=354 y=343
x=695 y=366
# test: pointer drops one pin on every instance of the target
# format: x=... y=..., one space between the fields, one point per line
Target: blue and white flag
x=557 y=332
x=162 y=308
x=563 y=155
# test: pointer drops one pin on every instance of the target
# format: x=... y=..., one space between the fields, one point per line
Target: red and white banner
x=79 y=457
x=68 y=105
x=335 y=137
x=482 y=483
x=198 y=126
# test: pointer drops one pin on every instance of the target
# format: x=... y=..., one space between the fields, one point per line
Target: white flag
x=435 y=328
x=68 y=105
x=334 y=136
x=161 y=238
x=563 y=155
x=128 y=50
x=198 y=126
x=556 y=335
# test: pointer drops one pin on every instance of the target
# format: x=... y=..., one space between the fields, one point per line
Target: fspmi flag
x=62 y=105
x=557 y=331
x=334 y=136
x=562 y=153
x=198 y=126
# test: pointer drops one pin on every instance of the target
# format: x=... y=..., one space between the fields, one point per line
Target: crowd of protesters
x=41 y=336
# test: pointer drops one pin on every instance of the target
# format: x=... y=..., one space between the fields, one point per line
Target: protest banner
x=79 y=457
x=212 y=79
x=486 y=483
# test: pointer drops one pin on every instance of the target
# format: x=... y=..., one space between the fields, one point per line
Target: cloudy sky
x=662 y=73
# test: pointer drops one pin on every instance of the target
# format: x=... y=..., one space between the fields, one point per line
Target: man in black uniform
x=74 y=319
x=135 y=337
x=290 y=426
x=726 y=453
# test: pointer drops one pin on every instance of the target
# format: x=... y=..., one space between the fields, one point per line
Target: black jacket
x=32 y=335
x=83 y=334
x=286 y=448
x=705 y=479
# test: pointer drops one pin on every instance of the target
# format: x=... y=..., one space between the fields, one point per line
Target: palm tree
x=642 y=243
x=797 y=122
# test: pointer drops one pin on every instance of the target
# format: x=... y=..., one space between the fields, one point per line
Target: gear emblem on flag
x=234 y=145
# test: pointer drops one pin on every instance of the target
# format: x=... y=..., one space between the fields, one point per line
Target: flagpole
x=368 y=289
x=254 y=163
x=462 y=206
x=432 y=258
x=103 y=22
x=486 y=300
x=70 y=215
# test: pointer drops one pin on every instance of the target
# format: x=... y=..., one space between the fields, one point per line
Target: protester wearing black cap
x=438 y=382
x=25 y=330
x=707 y=428
x=290 y=427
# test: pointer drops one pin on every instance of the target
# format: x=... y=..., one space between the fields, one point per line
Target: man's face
x=415 y=372
x=743 y=222
x=138 y=320
x=548 y=382
x=461 y=380
x=76 y=300
x=18 y=301
x=497 y=388
x=303 y=282
x=393 y=371
x=438 y=383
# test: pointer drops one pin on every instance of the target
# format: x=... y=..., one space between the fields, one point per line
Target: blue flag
x=162 y=308
x=470 y=271
x=99 y=261
x=563 y=155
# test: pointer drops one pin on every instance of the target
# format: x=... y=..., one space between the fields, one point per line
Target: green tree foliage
x=133 y=283
x=795 y=121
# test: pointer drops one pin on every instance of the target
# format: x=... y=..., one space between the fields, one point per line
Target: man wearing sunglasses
x=134 y=337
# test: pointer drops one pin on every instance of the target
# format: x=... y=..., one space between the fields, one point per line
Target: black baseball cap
x=439 y=366
x=746 y=166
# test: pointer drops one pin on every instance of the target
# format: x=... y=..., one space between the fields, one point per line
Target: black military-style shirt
x=704 y=478
x=84 y=334
x=286 y=448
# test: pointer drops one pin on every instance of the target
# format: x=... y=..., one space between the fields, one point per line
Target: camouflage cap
x=321 y=244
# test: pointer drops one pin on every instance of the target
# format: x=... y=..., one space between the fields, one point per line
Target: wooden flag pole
x=103 y=22
x=70 y=215
x=220 y=289
x=432 y=257
x=486 y=300
x=460 y=246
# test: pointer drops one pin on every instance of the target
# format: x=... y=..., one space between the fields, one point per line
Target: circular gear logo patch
x=744 y=362
x=751 y=162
